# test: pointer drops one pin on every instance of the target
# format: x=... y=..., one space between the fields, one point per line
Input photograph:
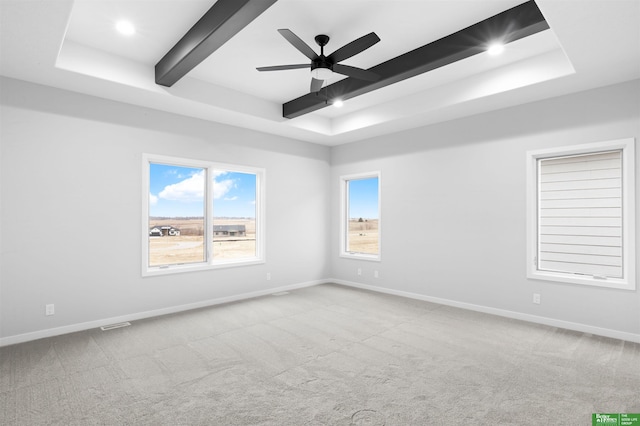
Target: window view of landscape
x=177 y=226
x=234 y=215
x=363 y=216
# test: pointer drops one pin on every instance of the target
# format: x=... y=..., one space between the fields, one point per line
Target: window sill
x=616 y=283
x=361 y=256
x=178 y=269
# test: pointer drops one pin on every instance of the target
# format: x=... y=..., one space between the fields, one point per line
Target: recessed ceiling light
x=125 y=28
x=338 y=103
x=495 y=48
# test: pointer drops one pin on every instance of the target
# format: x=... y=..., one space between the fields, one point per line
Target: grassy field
x=188 y=247
x=363 y=236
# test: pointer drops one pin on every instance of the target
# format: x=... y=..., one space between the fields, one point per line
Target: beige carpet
x=326 y=355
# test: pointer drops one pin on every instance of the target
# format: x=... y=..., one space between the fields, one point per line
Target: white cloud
x=221 y=187
x=153 y=200
x=188 y=190
x=230 y=198
x=192 y=188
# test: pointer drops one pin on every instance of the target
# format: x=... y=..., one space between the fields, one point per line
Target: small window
x=360 y=230
x=581 y=215
x=199 y=215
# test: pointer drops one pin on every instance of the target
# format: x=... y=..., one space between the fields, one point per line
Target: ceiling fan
x=323 y=67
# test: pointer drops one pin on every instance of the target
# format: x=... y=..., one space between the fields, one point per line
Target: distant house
x=229 y=231
x=163 y=231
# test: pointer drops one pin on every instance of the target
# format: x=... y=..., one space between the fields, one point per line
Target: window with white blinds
x=581 y=214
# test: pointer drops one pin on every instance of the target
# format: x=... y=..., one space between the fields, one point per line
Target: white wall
x=71 y=210
x=453 y=198
x=453 y=209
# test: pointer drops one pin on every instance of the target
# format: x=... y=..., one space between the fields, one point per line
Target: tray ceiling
x=76 y=47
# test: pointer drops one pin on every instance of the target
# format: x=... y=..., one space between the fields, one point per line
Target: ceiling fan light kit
x=321 y=73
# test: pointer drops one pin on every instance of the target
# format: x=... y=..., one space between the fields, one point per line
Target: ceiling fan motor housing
x=321 y=62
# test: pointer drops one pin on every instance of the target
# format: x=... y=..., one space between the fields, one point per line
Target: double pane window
x=200 y=215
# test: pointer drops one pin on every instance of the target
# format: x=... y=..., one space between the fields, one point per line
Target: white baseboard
x=20 y=338
x=615 y=334
x=41 y=334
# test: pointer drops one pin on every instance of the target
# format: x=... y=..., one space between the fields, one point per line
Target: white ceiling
x=73 y=45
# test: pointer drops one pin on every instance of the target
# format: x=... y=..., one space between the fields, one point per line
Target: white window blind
x=580 y=215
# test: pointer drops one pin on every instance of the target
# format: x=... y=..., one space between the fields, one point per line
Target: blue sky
x=179 y=192
x=363 y=198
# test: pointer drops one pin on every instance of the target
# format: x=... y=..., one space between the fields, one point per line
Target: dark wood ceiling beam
x=510 y=25
x=224 y=20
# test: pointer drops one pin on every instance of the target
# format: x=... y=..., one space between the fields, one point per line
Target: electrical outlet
x=359 y=271
x=536 y=298
x=268 y=276
x=49 y=309
x=376 y=274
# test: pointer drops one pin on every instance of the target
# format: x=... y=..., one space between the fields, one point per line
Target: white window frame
x=344 y=219
x=628 y=280
x=209 y=262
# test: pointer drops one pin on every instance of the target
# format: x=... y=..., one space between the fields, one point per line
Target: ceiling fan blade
x=355 y=47
x=298 y=43
x=354 y=72
x=284 y=67
x=316 y=85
